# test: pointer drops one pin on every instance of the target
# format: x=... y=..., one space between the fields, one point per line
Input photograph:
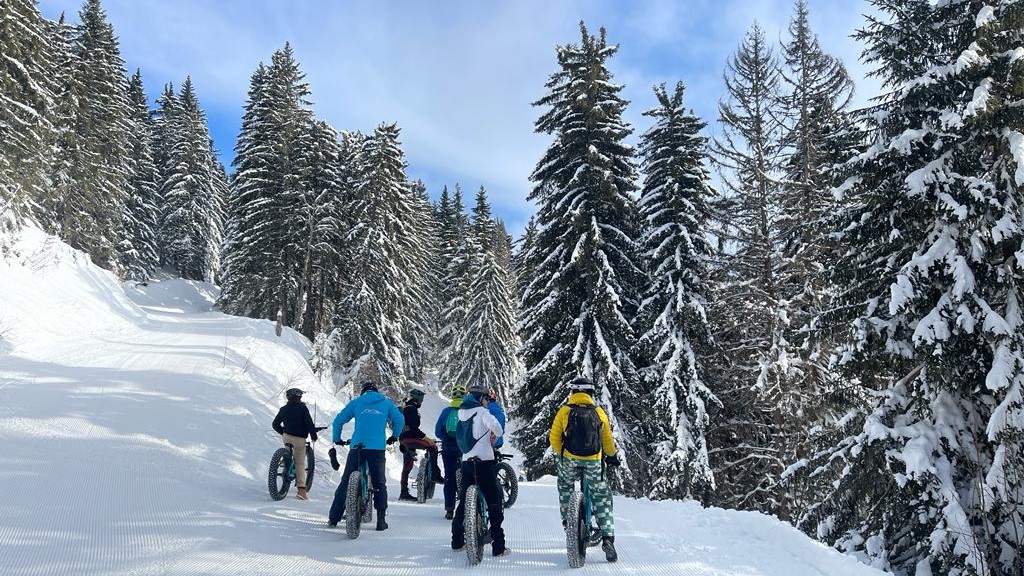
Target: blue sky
x=458 y=76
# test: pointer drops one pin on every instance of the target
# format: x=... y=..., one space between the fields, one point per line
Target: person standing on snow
x=444 y=429
x=477 y=430
x=372 y=412
x=294 y=423
x=412 y=438
x=580 y=435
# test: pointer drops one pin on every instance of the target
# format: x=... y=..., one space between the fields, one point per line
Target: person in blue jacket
x=494 y=408
x=372 y=412
x=451 y=456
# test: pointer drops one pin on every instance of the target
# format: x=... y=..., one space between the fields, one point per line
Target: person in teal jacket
x=372 y=412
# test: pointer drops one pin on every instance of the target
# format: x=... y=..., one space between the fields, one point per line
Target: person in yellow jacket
x=582 y=442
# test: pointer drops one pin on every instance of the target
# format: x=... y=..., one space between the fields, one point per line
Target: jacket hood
x=373 y=397
x=469 y=401
x=581 y=398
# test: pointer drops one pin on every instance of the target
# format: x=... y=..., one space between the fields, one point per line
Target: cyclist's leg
x=601 y=495
x=458 y=529
x=451 y=465
x=408 y=460
x=299 y=457
x=338 y=505
x=567 y=473
x=488 y=482
x=375 y=461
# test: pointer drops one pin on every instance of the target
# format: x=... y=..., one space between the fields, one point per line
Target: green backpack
x=451 y=424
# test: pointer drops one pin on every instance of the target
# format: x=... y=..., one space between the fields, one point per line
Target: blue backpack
x=464 y=434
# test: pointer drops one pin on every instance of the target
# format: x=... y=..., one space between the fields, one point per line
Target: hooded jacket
x=484 y=425
x=562 y=420
x=499 y=413
x=372 y=412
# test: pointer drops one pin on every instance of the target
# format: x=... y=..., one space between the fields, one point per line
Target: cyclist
x=372 y=411
x=294 y=423
x=478 y=467
x=580 y=435
x=412 y=438
x=450 y=453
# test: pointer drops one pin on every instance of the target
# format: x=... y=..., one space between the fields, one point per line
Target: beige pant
x=299 y=454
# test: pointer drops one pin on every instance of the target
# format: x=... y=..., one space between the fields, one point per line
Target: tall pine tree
x=579 y=303
x=672 y=320
x=138 y=248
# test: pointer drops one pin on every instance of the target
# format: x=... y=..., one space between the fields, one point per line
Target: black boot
x=608 y=545
x=381 y=524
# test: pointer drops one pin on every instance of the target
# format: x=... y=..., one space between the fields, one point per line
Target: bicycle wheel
x=310 y=466
x=423 y=479
x=277 y=477
x=368 y=502
x=354 y=504
x=576 y=531
x=509 y=484
x=474 y=526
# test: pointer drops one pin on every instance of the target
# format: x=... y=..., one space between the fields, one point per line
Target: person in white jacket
x=478 y=467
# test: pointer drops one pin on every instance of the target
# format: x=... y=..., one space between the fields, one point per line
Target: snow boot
x=608 y=545
x=502 y=552
x=406 y=496
x=302 y=495
x=381 y=524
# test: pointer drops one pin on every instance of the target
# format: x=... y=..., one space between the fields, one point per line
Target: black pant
x=484 y=474
x=375 y=460
x=452 y=461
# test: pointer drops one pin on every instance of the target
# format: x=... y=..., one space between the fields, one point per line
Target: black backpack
x=582 y=436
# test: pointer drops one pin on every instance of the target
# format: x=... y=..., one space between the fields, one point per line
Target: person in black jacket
x=412 y=438
x=294 y=423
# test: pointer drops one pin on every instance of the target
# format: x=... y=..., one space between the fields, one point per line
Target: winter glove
x=401 y=448
x=392 y=440
x=334 y=458
x=313 y=436
x=612 y=461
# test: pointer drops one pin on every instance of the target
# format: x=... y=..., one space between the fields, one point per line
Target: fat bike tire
x=474 y=528
x=509 y=484
x=576 y=531
x=277 y=477
x=354 y=505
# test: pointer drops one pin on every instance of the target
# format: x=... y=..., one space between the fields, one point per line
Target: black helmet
x=416 y=396
x=367 y=386
x=293 y=394
x=480 y=391
x=582 y=384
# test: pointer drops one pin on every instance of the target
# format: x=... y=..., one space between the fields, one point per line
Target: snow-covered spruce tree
x=816 y=92
x=489 y=343
x=930 y=479
x=520 y=259
x=94 y=199
x=457 y=251
x=25 y=104
x=49 y=205
x=420 y=331
x=323 y=209
x=582 y=296
x=751 y=376
x=369 y=327
x=192 y=192
x=265 y=252
x=672 y=318
x=138 y=247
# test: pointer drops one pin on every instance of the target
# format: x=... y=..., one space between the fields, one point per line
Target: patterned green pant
x=569 y=470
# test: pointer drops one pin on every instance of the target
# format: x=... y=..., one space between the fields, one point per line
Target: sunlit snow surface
x=135 y=424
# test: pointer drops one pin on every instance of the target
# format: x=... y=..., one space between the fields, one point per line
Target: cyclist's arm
x=492 y=424
x=607 y=441
x=278 y=423
x=558 y=429
x=441 y=421
x=310 y=426
x=344 y=416
x=397 y=420
x=498 y=412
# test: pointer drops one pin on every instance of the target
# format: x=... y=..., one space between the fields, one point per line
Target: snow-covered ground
x=135 y=425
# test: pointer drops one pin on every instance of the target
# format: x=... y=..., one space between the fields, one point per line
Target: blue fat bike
x=282 y=469
x=359 y=497
x=581 y=530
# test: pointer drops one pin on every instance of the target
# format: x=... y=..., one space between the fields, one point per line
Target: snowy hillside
x=136 y=432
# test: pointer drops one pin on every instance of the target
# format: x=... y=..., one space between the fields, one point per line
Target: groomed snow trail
x=136 y=432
